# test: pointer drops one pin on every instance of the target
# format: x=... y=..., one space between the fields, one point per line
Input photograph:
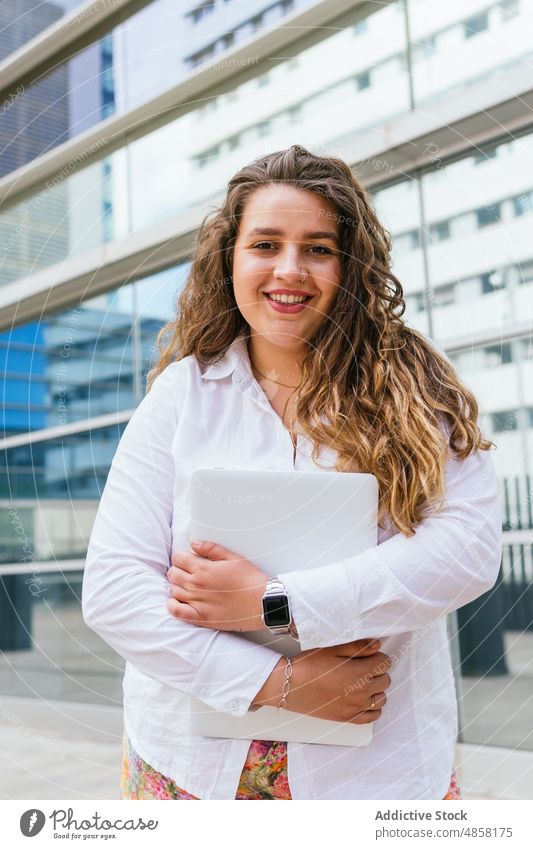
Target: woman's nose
x=289 y=266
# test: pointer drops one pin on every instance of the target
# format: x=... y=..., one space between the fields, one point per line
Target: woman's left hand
x=215 y=588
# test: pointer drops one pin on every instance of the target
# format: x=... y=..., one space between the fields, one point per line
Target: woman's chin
x=287 y=338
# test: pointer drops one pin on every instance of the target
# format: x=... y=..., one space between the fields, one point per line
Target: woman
x=327 y=377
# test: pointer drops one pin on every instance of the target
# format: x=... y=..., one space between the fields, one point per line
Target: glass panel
x=478 y=240
x=480 y=254
x=45 y=529
x=294 y=100
x=86 y=361
x=501 y=376
x=151 y=51
x=22 y=20
x=496 y=630
x=155 y=302
x=175 y=167
x=70 y=366
x=74 y=466
x=398 y=208
x=46 y=650
x=66 y=218
x=77 y=94
x=483 y=36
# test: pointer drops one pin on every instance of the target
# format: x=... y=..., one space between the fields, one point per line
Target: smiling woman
x=291 y=321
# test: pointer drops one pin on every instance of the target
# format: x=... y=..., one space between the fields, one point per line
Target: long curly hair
x=391 y=405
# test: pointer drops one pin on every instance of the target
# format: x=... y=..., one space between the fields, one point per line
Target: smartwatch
x=276 y=613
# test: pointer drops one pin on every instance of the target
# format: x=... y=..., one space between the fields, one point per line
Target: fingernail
x=196 y=542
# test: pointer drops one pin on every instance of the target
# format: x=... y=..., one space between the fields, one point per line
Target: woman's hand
x=345 y=683
x=215 y=588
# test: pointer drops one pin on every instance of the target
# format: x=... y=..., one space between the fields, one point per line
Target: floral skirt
x=263 y=776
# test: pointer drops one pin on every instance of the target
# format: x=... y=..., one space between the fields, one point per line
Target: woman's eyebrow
x=273 y=231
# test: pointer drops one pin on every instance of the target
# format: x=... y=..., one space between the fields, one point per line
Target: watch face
x=276 y=611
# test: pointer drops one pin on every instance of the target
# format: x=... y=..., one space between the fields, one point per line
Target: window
x=504 y=421
x=202 y=56
x=203 y=158
x=444 y=295
x=108 y=108
x=488 y=215
x=362 y=80
x=360 y=27
x=294 y=113
x=525 y=273
x=476 y=24
x=497 y=355
x=415 y=302
x=108 y=80
x=424 y=49
x=439 y=232
x=479 y=158
x=509 y=9
x=526 y=349
x=201 y=11
x=106 y=47
x=492 y=280
x=406 y=242
x=455 y=360
x=523 y=204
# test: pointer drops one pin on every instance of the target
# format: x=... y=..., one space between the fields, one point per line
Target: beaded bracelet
x=285 y=689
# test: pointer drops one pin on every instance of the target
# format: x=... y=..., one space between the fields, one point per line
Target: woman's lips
x=286 y=308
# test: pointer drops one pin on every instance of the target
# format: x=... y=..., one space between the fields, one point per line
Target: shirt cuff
x=321 y=604
x=229 y=678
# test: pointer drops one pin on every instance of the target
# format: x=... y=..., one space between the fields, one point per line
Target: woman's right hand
x=338 y=682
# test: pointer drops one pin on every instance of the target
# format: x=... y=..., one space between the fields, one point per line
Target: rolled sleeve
x=125 y=588
x=406 y=582
x=229 y=678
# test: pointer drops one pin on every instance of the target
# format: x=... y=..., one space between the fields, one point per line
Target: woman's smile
x=285 y=301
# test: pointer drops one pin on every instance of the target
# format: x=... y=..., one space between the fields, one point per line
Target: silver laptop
x=283 y=521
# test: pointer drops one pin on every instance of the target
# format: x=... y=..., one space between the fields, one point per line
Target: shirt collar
x=236 y=361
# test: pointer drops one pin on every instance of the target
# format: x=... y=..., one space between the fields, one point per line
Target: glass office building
x=120 y=127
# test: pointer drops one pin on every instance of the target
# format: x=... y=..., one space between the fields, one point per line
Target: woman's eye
x=321 y=249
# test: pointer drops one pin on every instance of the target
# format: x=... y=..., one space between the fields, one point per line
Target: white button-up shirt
x=196 y=416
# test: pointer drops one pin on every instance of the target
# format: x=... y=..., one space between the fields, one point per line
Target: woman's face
x=288 y=243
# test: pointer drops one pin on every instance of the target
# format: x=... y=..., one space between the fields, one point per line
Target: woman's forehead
x=267 y=205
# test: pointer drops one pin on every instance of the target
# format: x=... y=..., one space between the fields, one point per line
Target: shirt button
x=234 y=706
x=204 y=691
